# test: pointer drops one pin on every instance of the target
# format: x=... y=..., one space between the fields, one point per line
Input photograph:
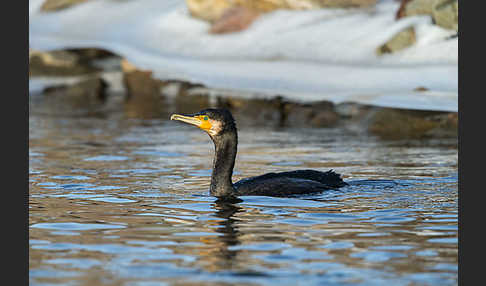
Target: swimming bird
x=220 y=125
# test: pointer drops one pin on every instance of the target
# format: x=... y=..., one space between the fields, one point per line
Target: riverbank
x=318 y=67
x=338 y=54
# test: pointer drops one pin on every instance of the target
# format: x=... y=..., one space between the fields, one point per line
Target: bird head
x=214 y=121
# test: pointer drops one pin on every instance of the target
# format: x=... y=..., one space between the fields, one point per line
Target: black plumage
x=221 y=127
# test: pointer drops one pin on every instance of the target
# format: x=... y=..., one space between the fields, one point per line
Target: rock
x=447 y=124
x=400 y=41
x=389 y=123
x=213 y=10
x=144 y=105
x=208 y=10
x=55 y=5
x=417 y=7
x=55 y=58
x=91 y=89
x=139 y=82
x=324 y=119
x=234 y=19
x=261 y=111
x=401 y=11
x=148 y=97
x=317 y=114
x=91 y=54
x=420 y=89
x=57 y=63
x=144 y=99
x=68 y=62
x=444 y=12
x=446 y=15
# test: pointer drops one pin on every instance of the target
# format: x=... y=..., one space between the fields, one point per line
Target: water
x=119 y=196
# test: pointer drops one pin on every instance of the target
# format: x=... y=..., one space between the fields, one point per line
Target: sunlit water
x=121 y=199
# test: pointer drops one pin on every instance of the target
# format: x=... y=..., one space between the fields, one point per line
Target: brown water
x=119 y=196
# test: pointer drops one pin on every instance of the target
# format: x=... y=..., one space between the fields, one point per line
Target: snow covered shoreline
x=302 y=55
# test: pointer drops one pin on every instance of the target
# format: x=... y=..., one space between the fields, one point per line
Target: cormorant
x=220 y=126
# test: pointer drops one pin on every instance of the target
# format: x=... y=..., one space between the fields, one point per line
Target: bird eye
x=205 y=118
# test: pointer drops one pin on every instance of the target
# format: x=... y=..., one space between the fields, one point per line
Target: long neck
x=223 y=163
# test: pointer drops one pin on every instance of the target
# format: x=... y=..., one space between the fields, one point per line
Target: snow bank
x=302 y=55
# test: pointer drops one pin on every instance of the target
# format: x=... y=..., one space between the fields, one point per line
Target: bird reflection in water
x=220 y=256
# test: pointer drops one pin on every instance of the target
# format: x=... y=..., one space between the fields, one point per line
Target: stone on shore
x=234 y=19
x=55 y=5
x=139 y=82
x=390 y=123
x=91 y=89
x=445 y=13
x=262 y=111
x=213 y=10
x=400 y=41
x=70 y=62
x=57 y=63
x=316 y=114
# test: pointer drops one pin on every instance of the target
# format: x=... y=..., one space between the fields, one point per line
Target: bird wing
x=287 y=183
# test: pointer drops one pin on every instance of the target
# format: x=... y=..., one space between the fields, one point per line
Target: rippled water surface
x=121 y=198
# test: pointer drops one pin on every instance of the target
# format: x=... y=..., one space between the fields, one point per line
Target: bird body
x=289 y=183
x=221 y=128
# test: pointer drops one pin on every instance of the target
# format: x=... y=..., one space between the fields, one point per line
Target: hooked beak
x=187 y=119
x=199 y=120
